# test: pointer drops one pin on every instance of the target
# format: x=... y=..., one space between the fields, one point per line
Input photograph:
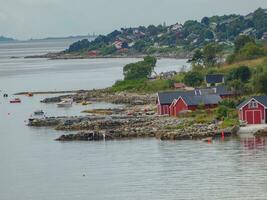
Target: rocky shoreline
x=137 y=119
x=124 y=126
x=193 y=134
x=104 y=95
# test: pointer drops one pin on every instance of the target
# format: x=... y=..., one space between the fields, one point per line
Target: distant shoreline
x=52 y=92
x=6 y=40
x=61 y=56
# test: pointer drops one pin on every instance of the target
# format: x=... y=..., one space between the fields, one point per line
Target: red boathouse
x=253 y=110
x=191 y=103
x=166 y=99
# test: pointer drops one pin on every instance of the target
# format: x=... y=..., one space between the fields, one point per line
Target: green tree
x=251 y=51
x=139 y=70
x=139 y=46
x=197 y=59
x=205 y=20
x=241 y=41
x=210 y=55
x=242 y=73
x=259 y=21
x=246 y=48
x=108 y=50
x=193 y=78
x=151 y=60
x=79 y=45
x=152 y=30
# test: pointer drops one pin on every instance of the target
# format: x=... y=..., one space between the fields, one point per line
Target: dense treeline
x=191 y=35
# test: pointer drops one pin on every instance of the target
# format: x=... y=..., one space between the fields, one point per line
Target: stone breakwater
x=104 y=95
x=94 y=128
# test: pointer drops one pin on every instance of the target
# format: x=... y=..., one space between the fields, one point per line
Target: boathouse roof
x=260 y=99
x=168 y=97
x=211 y=99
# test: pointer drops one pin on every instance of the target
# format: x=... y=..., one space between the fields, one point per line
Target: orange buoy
x=209 y=141
x=223 y=135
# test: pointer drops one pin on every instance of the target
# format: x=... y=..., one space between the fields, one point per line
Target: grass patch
x=250 y=63
x=229 y=123
x=204 y=118
x=142 y=85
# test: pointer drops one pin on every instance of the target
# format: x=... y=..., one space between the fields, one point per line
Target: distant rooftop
x=214 y=78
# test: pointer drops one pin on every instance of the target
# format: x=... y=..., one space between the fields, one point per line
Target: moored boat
x=65 y=103
x=38 y=112
x=16 y=100
x=85 y=103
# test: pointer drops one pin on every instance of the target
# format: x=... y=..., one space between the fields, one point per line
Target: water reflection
x=253 y=143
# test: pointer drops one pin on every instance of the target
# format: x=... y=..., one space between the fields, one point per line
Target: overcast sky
x=25 y=19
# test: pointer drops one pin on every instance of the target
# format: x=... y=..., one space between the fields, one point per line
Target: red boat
x=16 y=100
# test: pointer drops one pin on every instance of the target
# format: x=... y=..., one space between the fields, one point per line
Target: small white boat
x=39 y=112
x=65 y=103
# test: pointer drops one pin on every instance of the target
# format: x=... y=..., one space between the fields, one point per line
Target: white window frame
x=253 y=104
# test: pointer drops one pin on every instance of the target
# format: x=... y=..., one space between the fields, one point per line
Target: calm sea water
x=34 y=166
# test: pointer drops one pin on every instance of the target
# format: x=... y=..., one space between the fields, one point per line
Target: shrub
x=229 y=123
x=222 y=112
x=229 y=103
x=241 y=73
